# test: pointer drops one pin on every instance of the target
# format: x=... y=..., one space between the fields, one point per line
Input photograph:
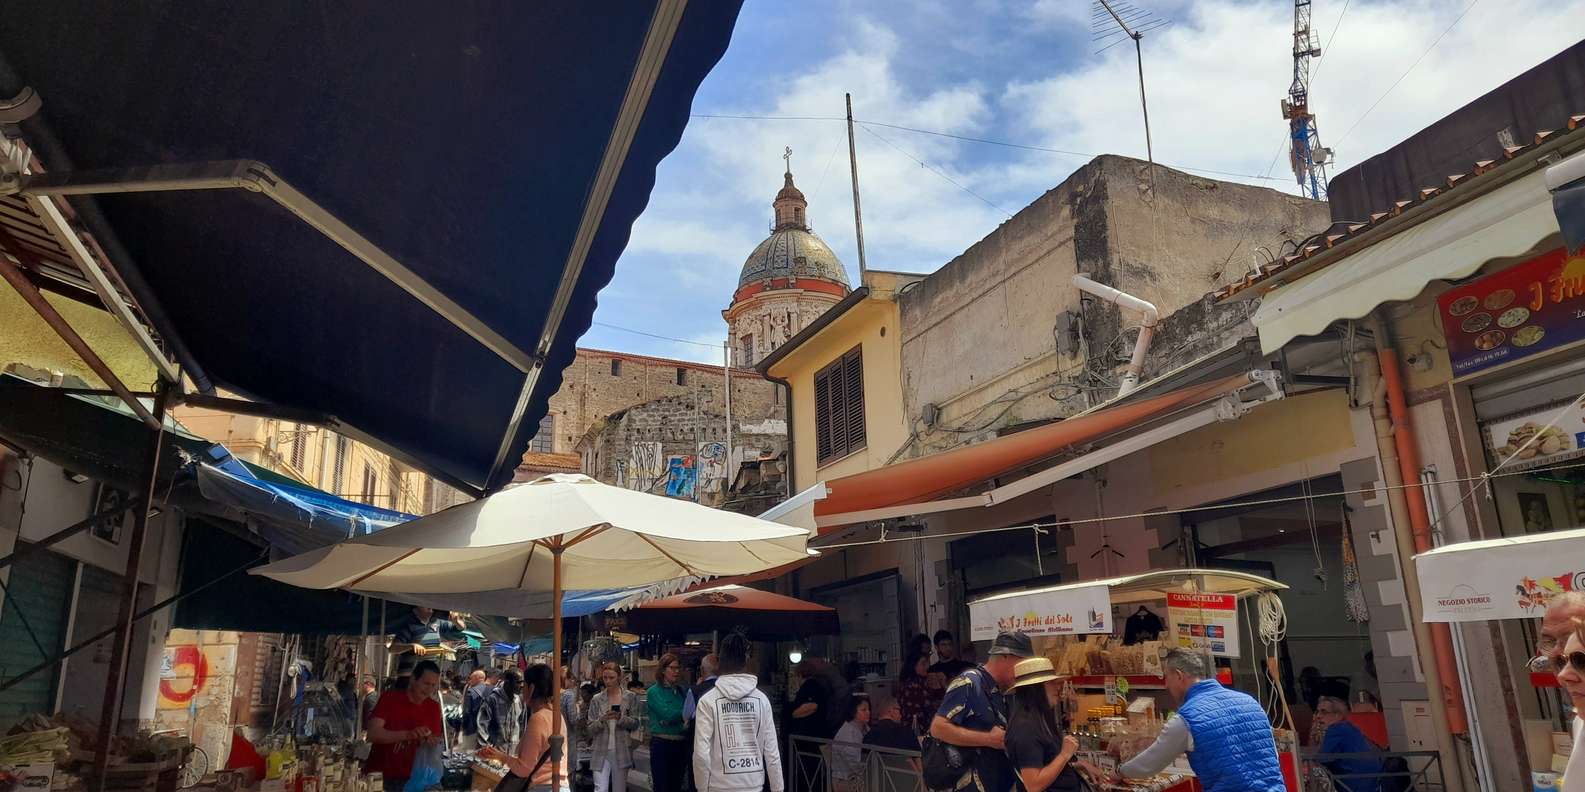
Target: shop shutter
x=39 y=589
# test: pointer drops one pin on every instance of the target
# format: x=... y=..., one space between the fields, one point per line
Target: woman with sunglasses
x=1570 y=668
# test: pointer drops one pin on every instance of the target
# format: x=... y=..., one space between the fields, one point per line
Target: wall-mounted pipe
x=1147 y=326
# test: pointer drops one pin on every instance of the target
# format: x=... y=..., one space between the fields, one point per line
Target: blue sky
x=1024 y=73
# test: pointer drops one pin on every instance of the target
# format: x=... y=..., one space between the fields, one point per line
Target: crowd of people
x=991 y=727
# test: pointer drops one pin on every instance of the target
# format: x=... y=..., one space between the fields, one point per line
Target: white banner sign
x=1500 y=578
x=1204 y=622
x=1063 y=611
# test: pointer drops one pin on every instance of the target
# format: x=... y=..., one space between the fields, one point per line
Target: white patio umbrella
x=556 y=533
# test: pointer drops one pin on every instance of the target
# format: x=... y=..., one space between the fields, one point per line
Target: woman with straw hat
x=1041 y=755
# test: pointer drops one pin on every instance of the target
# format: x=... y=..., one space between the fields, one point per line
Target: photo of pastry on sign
x=1537 y=438
x=1508 y=315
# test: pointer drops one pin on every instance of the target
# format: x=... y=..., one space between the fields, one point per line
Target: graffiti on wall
x=711 y=465
x=682 y=477
x=645 y=466
x=184 y=671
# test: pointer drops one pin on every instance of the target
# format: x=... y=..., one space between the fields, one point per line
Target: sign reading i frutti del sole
x=1068 y=611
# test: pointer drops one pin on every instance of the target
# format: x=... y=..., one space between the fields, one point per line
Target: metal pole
x=556 y=738
x=363 y=662
x=1150 y=155
x=121 y=645
x=858 y=214
x=726 y=369
x=385 y=651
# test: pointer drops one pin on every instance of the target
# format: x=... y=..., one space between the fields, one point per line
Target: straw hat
x=1034 y=671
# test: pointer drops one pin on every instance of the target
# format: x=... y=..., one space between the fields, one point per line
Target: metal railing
x=1418 y=770
x=809 y=763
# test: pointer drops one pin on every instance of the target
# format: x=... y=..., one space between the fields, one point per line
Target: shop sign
x=1515 y=313
x=1536 y=439
x=1501 y=579
x=1067 y=611
x=1204 y=622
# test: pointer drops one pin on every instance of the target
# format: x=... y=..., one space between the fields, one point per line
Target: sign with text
x=1536 y=439
x=1512 y=314
x=1204 y=622
x=1510 y=578
x=1066 y=610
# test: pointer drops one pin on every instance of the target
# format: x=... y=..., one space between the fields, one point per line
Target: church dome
x=792 y=252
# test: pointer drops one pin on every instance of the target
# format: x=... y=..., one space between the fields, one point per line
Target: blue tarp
x=294 y=519
x=468 y=145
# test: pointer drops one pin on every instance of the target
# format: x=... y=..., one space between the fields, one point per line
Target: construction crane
x=1305 y=154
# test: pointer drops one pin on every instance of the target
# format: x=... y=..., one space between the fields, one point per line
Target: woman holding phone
x=532 y=760
x=609 y=723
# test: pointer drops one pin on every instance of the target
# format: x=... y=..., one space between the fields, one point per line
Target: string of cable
x=1479 y=480
x=965 y=139
x=1405 y=74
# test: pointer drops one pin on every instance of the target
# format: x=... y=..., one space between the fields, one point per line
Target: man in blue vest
x=1224 y=732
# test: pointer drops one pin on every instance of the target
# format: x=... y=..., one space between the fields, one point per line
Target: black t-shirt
x=1030 y=747
x=950 y=668
x=891 y=734
x=813 y=691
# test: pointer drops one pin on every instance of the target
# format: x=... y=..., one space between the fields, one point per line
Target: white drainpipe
x=1147 y=326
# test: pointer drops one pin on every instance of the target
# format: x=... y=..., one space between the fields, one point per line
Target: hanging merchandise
x=1144 y=625
x=1354 y=607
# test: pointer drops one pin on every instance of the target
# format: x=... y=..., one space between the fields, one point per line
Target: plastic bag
x=427 y=769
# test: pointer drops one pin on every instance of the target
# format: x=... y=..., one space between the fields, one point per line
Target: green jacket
x=664 y=707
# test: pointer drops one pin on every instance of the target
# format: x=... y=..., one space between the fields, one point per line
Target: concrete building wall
x=999 y=336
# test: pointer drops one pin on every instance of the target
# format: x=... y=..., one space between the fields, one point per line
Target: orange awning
x=917 y=481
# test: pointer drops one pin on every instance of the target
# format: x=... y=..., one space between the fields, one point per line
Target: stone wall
x=999 y=336
x=592 y=389
x=765 y=322
x=675 y=446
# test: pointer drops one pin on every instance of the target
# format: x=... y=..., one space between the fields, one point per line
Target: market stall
x=1114 y=692
x=1509 y=578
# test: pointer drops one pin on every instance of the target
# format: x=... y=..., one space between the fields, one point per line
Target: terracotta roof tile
x=557 y=462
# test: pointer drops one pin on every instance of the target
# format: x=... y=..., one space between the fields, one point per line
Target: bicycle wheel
x=194 y=769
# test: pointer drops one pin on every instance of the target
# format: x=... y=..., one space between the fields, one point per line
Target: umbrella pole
x=556 y=739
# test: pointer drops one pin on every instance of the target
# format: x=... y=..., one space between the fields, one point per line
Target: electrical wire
x=936 y=171
x=1401 y=77
x=654 y=335
x=971 y=139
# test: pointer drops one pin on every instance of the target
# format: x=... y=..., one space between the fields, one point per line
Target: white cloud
x=1216 y=76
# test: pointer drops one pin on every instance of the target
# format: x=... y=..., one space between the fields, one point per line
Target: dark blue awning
x=413 y=213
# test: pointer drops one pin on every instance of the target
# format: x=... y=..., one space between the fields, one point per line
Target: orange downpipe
x=1419 y=520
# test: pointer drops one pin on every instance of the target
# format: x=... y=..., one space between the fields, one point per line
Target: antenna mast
x=1112 y=17
x=1305 y=154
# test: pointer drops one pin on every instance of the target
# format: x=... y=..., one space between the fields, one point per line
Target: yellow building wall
x=26 y=339
x=873 y=325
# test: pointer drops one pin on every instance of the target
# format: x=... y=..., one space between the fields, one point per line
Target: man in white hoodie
x=734 y=745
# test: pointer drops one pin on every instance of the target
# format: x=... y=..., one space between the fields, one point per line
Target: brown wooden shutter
x=823 y=447
x=853 y=383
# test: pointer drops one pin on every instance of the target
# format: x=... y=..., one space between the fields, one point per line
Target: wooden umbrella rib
x=383 y=567
x=587 y=533
x=690 y=570
x=522 y=579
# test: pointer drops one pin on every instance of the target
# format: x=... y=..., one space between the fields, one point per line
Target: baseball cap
x=1013 y=643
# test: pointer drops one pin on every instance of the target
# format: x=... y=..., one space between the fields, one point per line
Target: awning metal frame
x=1265 y=385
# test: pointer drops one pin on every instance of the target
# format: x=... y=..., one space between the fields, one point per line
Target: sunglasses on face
x=1575 y=660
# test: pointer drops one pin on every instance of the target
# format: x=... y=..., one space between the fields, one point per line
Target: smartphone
x=616 y=708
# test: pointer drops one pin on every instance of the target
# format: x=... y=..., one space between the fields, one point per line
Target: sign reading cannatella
x=1509 y=315
x=1204 y=622
x=1066 y=610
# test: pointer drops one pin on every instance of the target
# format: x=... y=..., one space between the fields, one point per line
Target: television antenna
x=1118 y=20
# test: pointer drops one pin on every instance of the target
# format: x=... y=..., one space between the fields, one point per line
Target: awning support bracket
x=257 y=177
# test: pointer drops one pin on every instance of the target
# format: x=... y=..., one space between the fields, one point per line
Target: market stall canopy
x=1510 y=222
x=500 y=543
x=1079 y=608
x=762 y=615
x=912 y=487
x=394 y=218
x=1508 y=578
